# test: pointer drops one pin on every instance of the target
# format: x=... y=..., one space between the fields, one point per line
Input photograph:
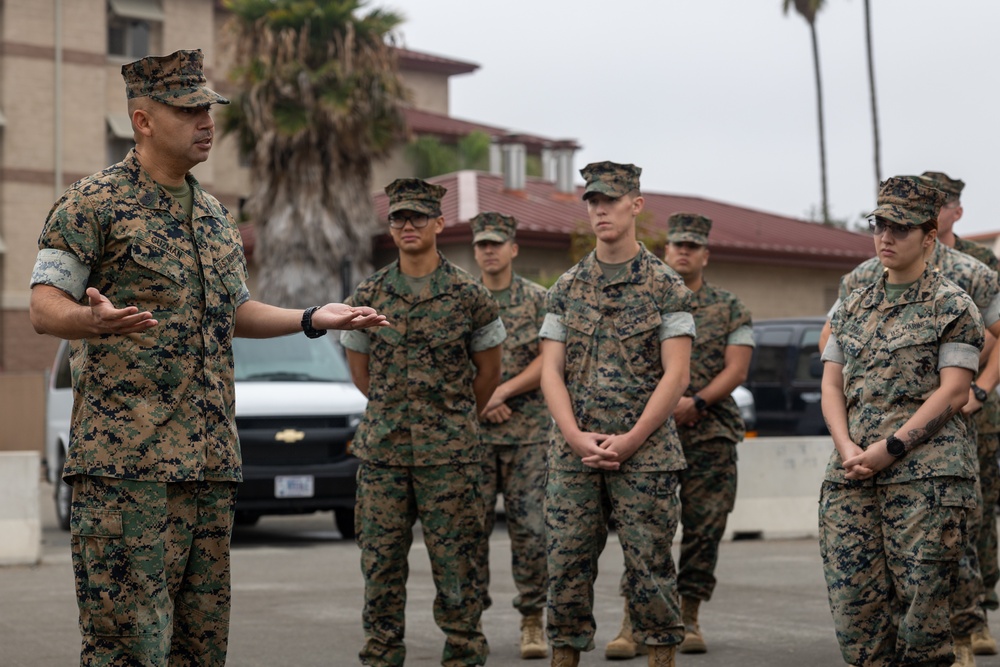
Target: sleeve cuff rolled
x=961 y=355
x=553 y=328
x=673 y=325
x=832 y=351
x=61 y=269
x=489 y=336
x=356 y=341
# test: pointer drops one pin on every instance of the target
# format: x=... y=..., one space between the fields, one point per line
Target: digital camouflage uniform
x=891 y=545
x=153 y=455
x=988 y=441
x=514 y=459
x=981 y=284
x=419 y=446
x=987 y=421
x=708 y=486
x=613 y=330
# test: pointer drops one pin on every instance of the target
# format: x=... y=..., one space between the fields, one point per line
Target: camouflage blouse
x=720 y=319
x=972 y=275
x=612 y=330
x=421 y=404
x=522 y=317
x=892 y=354
x=157 y=405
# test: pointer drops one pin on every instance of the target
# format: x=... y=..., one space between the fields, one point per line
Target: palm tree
x=808 y=10
x=871 y=91
x=319 y=100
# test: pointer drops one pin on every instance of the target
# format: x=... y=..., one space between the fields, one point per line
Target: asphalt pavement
x=297 y=594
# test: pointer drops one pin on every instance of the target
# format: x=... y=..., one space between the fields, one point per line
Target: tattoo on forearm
x=919 y=436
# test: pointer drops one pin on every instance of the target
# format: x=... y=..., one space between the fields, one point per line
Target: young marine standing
x=984 y=406
x=900 y=484
x=708 y=422
x=616 y=345
x=979 y=281
x=427 y=377
x=516 y=426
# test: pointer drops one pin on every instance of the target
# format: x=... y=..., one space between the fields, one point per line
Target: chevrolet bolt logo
x=289 y=435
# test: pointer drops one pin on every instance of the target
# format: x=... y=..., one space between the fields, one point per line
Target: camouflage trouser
x=151 y=562
x=577 y=508
x=967 y=614
x=708 y=493
x=890 y=557
x=517 y=471
x=986 y=544
x=449 y=504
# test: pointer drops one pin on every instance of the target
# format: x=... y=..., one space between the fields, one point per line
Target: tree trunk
x=315 y=222
x=871 y=91
x=819 y=114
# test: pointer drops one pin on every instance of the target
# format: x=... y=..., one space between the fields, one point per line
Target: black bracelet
x=307 y=326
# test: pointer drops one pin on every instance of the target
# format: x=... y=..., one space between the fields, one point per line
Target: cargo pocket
x=954 y=500
x=101 y=561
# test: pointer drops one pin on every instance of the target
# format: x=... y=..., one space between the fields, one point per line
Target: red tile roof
x=428 y=62
x=547 y=218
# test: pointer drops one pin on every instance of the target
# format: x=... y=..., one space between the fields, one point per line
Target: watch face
x=979 y=393
x=895 y=446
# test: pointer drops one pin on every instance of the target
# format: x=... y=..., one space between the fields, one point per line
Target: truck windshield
x=292 y=358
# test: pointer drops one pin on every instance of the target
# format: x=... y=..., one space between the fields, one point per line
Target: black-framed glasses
x=899 y=232
x=418 y=220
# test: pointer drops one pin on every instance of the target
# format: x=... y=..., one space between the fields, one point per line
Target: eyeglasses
x=399 y=221
x=899 y=232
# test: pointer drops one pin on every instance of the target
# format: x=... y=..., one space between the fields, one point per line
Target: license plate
x=294 y=486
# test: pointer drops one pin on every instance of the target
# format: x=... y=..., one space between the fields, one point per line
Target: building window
x=120 y=139
x=133 y=27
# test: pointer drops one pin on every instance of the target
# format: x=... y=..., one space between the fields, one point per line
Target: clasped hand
x=862 y=464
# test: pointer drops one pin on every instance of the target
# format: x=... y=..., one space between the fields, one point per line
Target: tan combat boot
x=565 y=656
x=533 y=637
x=983 y=642
x=693 y=641
x=623 y=647
x=963 y=652
x=661 y=656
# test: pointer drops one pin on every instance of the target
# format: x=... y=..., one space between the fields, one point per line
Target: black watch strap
x=699 y=403
x=307 y=324
x=895 y=446
x=980 y=393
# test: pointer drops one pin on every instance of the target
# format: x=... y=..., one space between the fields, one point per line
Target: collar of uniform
x=918 y=292
x=395 y=281
x=147 y=192
x=590 y=270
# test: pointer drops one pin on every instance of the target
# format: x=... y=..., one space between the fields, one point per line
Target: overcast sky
x=717 y=98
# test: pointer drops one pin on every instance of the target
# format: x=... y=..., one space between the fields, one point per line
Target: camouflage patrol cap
x=950 y=186
x=493 y=226
x=413 y=194
x=688 y=227
x=177 y=80
x=610 y=178
x=909 y=200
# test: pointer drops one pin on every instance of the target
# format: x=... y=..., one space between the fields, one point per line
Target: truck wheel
x=345 y=521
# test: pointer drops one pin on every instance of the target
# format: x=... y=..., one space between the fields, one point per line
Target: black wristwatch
x=895 y=446
x=699 y=403
x=307 y=324
x=980 y=393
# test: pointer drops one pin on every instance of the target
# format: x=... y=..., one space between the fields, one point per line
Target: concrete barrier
x=777 y=495
x=20 y=524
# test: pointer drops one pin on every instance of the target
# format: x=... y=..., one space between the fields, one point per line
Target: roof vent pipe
x=496 y=158
x=564 y=152
x=549 y=170
x=514 y=155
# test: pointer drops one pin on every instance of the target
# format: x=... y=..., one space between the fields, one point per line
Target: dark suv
x=296 y=413
x=785 y=376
